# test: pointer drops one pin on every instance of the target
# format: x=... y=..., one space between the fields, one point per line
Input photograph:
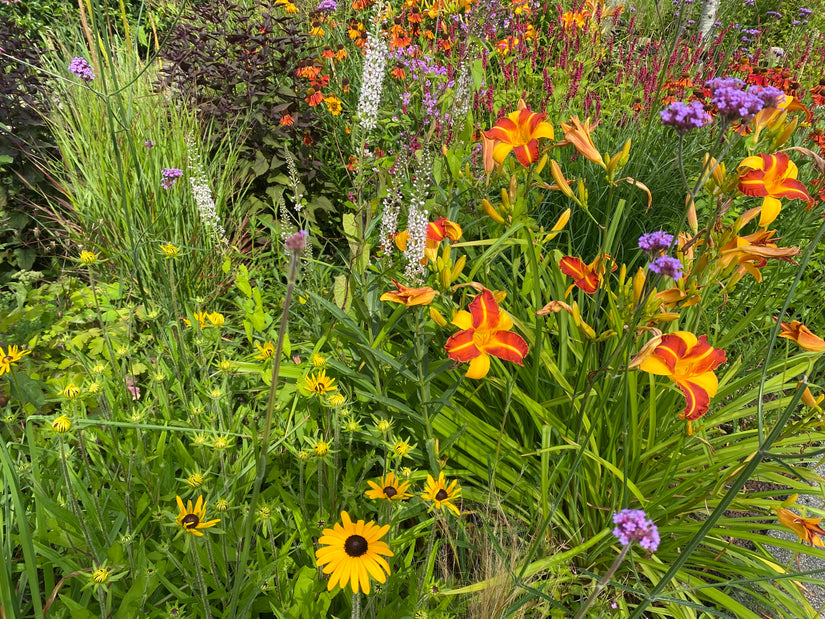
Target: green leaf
x=261 y=165
x=339 y=291
x=242 y=281
x=27 y=390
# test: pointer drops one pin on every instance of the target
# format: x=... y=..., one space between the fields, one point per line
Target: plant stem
x=603 y=582
x=264 y=448
x=201 y=584
x=356 y=606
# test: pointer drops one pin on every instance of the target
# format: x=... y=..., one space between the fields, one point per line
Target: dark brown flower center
x=355 y=546
x=190 y=521
x=8 y=358
x=441 y=495
x=390 y=492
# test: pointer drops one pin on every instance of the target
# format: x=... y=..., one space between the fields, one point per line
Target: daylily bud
x=505 y=200
x=561 y=222
x=665 y=317
x=809 y=400
x=491 y=212
x=513 y=189
x=639 y=285
x=692 y=218
x=582 y=194
x=542 y=163
x=619 y=160
x=458 y=267
x=786 y=133
x=446 y=277
x=437 y=317
x=790 y=500
x=564 y=186
x=622 y=275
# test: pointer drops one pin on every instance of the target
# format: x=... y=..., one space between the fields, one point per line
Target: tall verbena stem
x=294 y=245
x=603 y=582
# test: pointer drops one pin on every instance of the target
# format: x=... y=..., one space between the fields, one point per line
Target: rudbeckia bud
x=437 y=317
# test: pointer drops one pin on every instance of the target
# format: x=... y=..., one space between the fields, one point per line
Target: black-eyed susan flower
x=337 y=399
x=402 y=448
x=62 y=424
x=383 y=426
x=352 y=552
x=319 y=383
x=266 y=351
x=70 y=391
x=195 y=480
x=220 y=443
x=169 y=250
x=88 y=257
x=321 y=448
x=353 y=426
x=192 y=519
x=200 y=317
x=100 y=575
x=221 y=505
x=12 y=355
x=442 y=494
x=216 y=319
x=388 y=488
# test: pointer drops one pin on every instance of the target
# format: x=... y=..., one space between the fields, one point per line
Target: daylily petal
x=478 y=367
x=500 y=151
x=484 y=310
x=463 y=320
x=770 y=210
x=755 y=162
x=461 y=346
x=527 y=153
x=696 y=395
x=506 y=345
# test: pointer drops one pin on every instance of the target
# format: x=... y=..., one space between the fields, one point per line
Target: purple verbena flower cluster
x=82 y=69
x=732 y=100
x=632 y=525
x=665 y=265
x=684 y=116
x=297 y=241
x=654 y=242
x=770 y=95
x=170 y=177
x=149 y=144
x=327 y=5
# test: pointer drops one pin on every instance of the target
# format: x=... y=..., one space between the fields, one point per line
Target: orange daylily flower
x=802 y=335
x=575 y=19
x=409 y=296
x=578 y=135
x=485 y=331
x=437 y=231
x=807 y=529
x=588 y=277
x=771 y=177
x=687 y=361
x=519 y=132
x=752 y=251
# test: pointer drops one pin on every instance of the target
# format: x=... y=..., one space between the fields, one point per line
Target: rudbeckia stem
x=201 y=585
x=603 y=582
x=356 y=606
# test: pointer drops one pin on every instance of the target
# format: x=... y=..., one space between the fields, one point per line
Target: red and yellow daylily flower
x=485 y=332
x=807 y=529
x=771 y=177
x=409 y=296
x=802 y=335
x=588 y=277
x=519 y=132
x=687 y=361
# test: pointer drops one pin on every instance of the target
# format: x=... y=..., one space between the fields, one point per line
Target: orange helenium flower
x=807 y=529
x=688 y=362
x=771 y=177
x=519 y=132
x=485 y=332
x=802 y=335
x=409 y=296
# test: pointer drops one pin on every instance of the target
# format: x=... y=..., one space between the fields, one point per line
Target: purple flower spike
x=684 y=116
x=170 y=177
x=632 y=525
x=653 y=242
x=148 y=143
x=82 y=69
x=297 y=241
x=665 y=265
